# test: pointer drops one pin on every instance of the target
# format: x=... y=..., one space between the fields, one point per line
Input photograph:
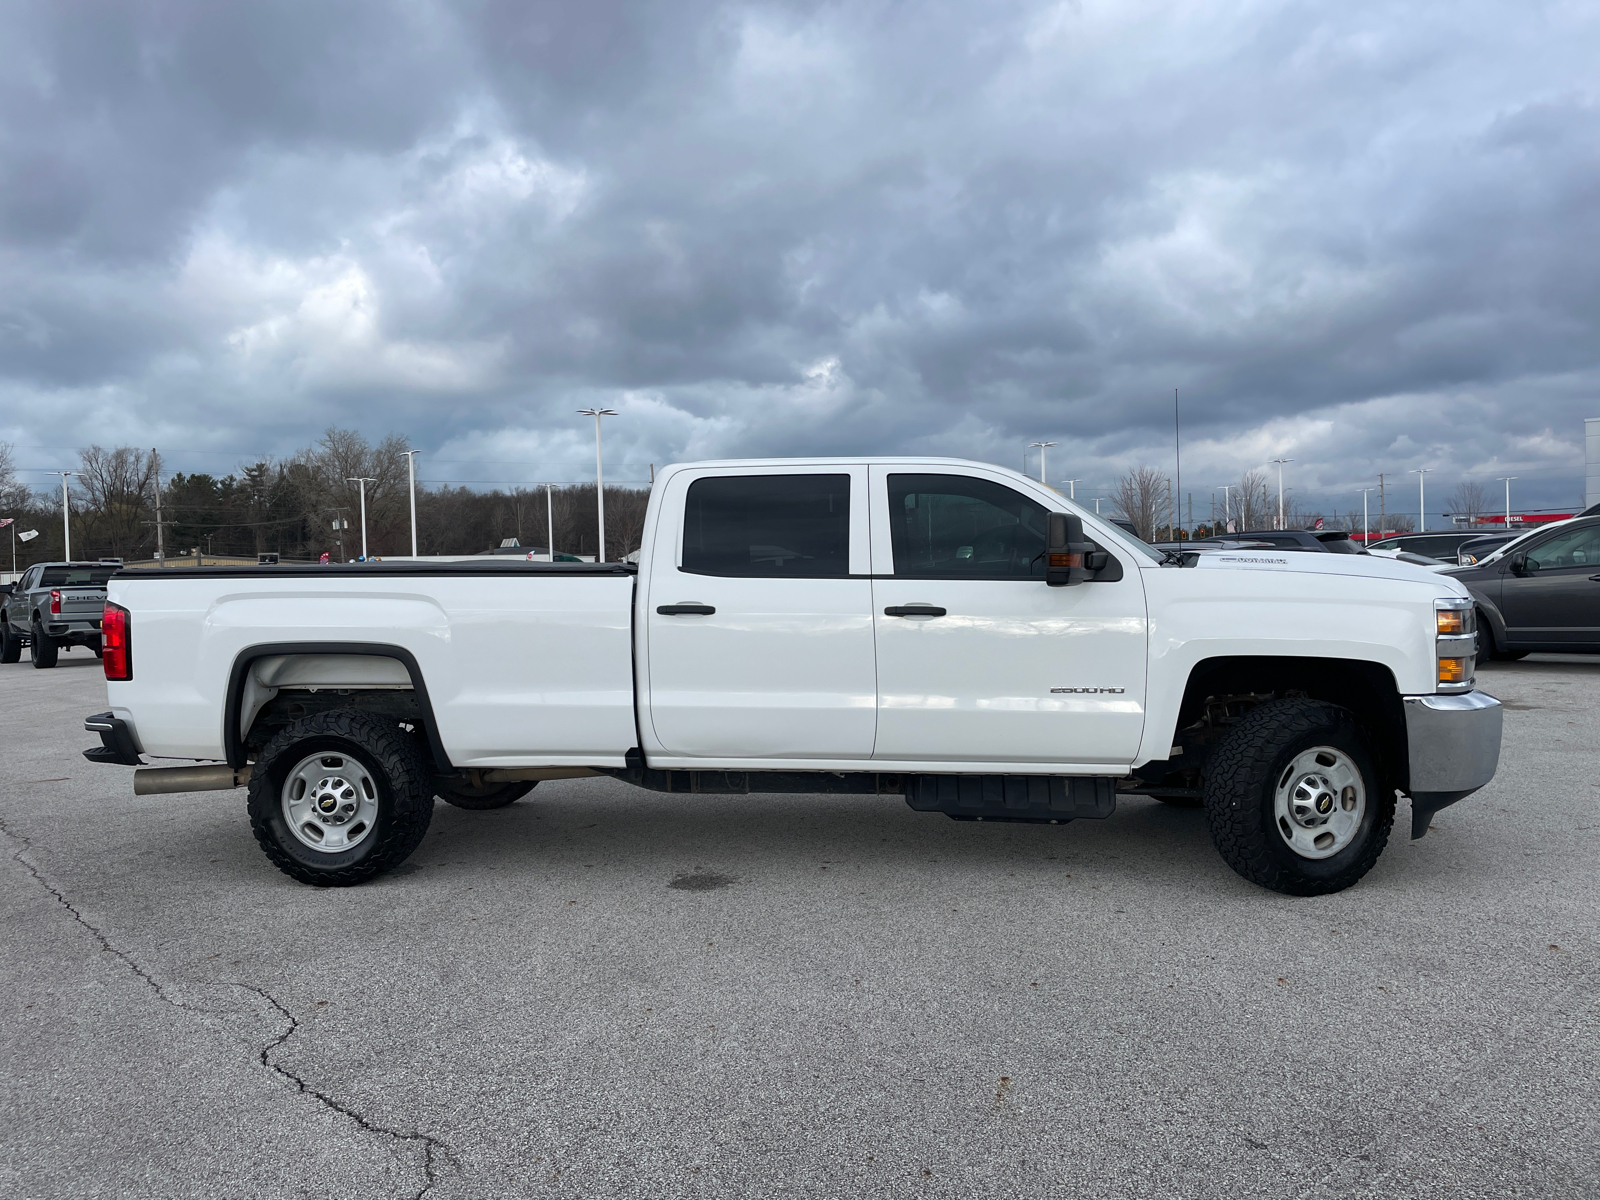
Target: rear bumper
x=119 y=744
x=1454 y=750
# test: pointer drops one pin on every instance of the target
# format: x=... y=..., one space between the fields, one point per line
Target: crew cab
x=54 y=606
x=950 y=632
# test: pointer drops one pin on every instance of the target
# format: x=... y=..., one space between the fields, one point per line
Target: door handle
x=1594 y=579
x=685 y=610
x=913 y=610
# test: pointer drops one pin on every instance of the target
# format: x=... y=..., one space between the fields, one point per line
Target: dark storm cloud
x=1363 y=237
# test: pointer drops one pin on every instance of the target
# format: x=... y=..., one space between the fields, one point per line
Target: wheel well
x=275 y=684
x=1221 y=690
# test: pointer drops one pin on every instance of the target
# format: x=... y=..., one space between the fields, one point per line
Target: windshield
x=55 y=577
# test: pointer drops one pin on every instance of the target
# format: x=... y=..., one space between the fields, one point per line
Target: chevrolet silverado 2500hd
x=950 y=632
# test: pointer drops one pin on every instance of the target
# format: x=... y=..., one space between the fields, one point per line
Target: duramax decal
x=1087 y=691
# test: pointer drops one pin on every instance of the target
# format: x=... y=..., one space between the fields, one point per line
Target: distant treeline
x=292 y=506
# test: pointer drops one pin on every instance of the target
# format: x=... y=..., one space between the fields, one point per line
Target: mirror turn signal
x=1069 y=558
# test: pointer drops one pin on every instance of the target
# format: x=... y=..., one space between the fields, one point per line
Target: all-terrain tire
x=10 y=644
x=404 y=796
x=1242 y=777
x=463 y=794
x=42 y=649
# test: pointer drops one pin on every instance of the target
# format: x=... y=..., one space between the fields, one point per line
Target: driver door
x=979 y=661
x=1556 y=599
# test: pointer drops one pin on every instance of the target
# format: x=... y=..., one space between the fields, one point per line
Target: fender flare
x=233 y=739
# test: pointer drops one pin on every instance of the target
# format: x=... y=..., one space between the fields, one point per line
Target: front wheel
x=339 y=797
x=42 y=649
x=1295 y=801
x=10 y=644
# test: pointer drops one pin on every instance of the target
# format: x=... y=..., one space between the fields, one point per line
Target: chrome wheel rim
x=1319 y=802
x=330 y=802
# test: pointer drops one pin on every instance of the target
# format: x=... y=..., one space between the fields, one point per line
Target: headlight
x=1456 y=643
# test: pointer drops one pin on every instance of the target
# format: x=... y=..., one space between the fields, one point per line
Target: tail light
x=55 y=604
x=116 y=644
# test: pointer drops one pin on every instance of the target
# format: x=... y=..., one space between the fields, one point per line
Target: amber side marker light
x=1452 y=670
x=116 y=646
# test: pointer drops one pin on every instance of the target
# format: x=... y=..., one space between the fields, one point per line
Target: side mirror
x=1066 y=553
x=1518 y=564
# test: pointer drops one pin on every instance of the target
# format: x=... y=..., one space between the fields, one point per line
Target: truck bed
x=525 y=664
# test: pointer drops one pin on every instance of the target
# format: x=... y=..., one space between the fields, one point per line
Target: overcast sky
x=1364 y=236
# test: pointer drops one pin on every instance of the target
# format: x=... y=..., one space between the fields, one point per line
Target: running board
x=1050 y=799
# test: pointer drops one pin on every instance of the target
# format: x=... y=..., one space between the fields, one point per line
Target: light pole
x=1043 y=446
x=1280 y=462
x=599 y=475
x=1097 y=500
x=550 y=520
x=1227 y=513
x=1072 y=488
x=1365 y=534
x=1422 y=498
x=66 y=524
x=362 y=481
x=1507 y=481
x=411 y=478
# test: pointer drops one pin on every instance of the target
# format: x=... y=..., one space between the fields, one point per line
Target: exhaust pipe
x=157 y=781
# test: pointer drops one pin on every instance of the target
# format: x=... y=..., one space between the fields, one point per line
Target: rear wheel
x=1295 y=801
x=464 y=793
x=10 y=644
x=42 y=649
x=339 y=797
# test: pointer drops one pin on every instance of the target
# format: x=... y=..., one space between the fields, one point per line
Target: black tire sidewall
x=1241 y=791
x=395 y=831
x=42 y=650
x=1345 y=737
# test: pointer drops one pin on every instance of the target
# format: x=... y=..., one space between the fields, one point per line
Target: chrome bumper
x=1454 y=749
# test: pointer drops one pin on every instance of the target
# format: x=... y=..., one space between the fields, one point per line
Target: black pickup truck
x=54 y=606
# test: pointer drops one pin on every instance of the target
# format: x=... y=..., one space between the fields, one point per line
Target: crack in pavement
x=434 y=1150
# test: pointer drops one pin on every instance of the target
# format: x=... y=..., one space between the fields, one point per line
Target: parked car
x=1441 y=546
x=53 y=607
x=1540 y=592
x=1479 y=548
x=982 y=647
x=1333 y=541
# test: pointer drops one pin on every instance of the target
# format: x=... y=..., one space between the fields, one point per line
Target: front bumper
x=1454 y=749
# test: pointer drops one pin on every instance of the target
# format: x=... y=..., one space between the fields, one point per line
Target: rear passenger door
x=758 y=617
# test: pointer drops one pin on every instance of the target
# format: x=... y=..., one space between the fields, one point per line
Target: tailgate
x=78 y=604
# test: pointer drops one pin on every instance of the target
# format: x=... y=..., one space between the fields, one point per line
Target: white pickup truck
x=947 y=631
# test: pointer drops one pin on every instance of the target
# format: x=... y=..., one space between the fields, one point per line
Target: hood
x=1304 y=562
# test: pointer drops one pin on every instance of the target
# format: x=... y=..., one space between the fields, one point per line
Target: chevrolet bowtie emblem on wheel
x=1087 y=691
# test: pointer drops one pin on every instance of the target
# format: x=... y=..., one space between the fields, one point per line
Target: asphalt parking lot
x=856 y=999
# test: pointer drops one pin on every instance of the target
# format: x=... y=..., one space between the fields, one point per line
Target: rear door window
x=768 y=526
x=957 y=527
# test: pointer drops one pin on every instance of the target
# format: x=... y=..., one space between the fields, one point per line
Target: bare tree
x=14 y=494
x=1469 y=500
x=1141 y=495
x=115 y=488
x=1252 y=502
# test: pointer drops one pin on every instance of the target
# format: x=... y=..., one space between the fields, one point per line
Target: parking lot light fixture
x=1280 y=462
x=411 y=478
x=1365 y=535
x=1506 y=479
x=66 y=523
x=1043 y=446
x=362 y=482
x=1422 y=497
x=599 y=474
x=1072 y=488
